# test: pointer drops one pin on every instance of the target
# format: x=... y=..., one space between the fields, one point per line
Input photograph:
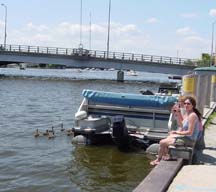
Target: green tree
x=205 y=60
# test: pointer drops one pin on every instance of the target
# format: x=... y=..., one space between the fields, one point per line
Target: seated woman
x=188 y=129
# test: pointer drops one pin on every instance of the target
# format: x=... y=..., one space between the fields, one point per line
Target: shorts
x=184 y=141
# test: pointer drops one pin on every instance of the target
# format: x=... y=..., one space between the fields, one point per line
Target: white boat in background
x=22 y=66
x=111 y=69
x=132 y=73
x=123 y=118
x=74 y=70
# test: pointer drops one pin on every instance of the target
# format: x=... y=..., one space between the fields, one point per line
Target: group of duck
x=50 y=133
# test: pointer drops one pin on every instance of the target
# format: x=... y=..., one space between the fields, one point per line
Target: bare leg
x=163 y=150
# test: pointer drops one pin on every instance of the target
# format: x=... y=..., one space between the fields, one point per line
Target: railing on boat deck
x=153 y=114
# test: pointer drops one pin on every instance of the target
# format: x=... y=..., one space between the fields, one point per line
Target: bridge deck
x=83 y=58
x=96 y=54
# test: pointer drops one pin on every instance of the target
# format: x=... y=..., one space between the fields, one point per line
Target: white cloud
x=41 y=38
x=194 y=39
x=98 y=28
x=1 y=23
x=192 y=46
x=189 y=15
x=1 y=26
x=31 y=26
x=120 y=29
x=152 y=20
x=123 y=38
x=68 y=35
x=185 y=31
x=212 y=12
x=127 y=28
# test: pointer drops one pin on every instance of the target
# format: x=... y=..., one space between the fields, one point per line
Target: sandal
x=155 y=162
x=166 y=157
x=170 y=159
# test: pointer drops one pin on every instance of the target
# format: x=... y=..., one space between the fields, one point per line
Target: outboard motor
x=120 y=132
x=119 y=127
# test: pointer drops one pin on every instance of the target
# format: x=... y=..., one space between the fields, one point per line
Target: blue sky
x=180 y=28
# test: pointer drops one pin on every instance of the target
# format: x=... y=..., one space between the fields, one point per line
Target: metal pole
x=5 y=32
x=214 y=53
x=90 y=32
x=80 y=45
x=177 y=56
x=108 y=29
x=212 y=43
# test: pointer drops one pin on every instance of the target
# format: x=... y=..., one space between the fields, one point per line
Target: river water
x=46 y=98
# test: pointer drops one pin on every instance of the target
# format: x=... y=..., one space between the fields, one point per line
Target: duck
x=52 y=130
x=51 y=135
x=36 y=134
x=69 y=132
x=62 y=129
x=46 y=133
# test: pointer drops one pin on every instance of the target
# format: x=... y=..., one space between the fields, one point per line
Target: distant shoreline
x=43 y=78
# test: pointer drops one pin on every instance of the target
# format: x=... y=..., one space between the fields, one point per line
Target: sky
x=175 y=28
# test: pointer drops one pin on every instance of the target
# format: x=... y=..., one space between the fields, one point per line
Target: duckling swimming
x=46 y=133
x=36 y=134
x=62 y=129
x=51 y=135
x=69 y=132
x=52 y=130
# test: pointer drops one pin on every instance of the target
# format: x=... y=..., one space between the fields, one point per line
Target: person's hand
x=175 y=109
x=173 y=132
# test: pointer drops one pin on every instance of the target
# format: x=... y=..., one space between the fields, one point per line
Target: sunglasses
x=187 y=103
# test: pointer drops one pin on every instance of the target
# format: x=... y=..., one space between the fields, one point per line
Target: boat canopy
x=132 y=100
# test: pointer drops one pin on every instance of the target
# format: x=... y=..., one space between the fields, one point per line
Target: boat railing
x=129 y=112
x=128 y=108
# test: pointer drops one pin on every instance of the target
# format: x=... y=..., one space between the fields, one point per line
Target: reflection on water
x=40 y=164
x=107 y=169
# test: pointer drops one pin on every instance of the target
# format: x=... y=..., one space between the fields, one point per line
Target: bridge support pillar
x=120 y=76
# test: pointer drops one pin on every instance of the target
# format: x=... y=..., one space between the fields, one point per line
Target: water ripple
x=40 y=164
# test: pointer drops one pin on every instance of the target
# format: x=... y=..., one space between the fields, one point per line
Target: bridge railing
x=97 y=54
x=142 y=57
x=37 y=49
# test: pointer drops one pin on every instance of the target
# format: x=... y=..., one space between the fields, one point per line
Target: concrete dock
x=207 y=156
x=201 y=176
x=193 y=178
x=189 y=178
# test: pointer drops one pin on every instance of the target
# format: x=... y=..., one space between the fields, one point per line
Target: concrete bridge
x=83 y=58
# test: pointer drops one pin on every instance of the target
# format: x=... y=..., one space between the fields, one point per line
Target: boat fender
x=80 y=115
x=79 y=140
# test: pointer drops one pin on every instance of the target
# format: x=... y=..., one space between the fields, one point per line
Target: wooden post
x=199 y=99
x=213 y=88
x=207 y=90
x=203 y=92
x=189 y=85
x=193 y=86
